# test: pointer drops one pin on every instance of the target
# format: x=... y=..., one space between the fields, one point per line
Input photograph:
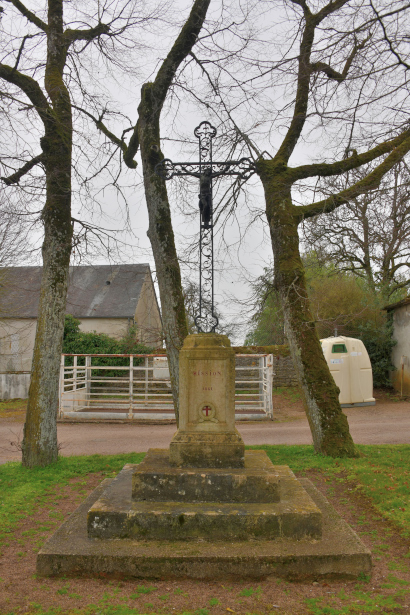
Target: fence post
x=269 y=360
x=75 y=374
x=61 y=387
x=261 y=379
x=146 y=381
x=131 y=386
x=88 y=379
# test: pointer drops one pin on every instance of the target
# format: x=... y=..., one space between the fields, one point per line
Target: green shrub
x=79 y=342
x=379 y=343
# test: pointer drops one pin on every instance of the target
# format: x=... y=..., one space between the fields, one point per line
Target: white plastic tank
x=161 y=370
x=351 y=369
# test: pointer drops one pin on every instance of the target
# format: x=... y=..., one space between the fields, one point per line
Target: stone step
x=339 y=554
x=155 y=480
x=116 y=515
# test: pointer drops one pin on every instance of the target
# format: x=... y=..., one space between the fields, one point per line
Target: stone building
x=105 y=298
x=401 y=351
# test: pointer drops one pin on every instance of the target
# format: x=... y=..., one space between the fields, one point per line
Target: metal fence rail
x=138 y=386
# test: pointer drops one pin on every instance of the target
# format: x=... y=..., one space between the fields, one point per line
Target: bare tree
x=321 y=77
x=14 y=237
x=370 y=235
x=42 y=52
x=146 y=138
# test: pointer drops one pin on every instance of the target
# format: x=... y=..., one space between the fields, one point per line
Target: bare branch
x=329 y=9
x=387 y=39
x=110 y=135
x=15 y=177
x=28 y=14
x=31 y=89
x=317 y=67
x=86 y=35
x=303 y=81
x=303 y=5
x=353 y=162
x=23 y=42
x=370 y=182
x=157 y=90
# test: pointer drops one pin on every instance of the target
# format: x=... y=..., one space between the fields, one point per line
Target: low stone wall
x=14 y=385
x=284 y=374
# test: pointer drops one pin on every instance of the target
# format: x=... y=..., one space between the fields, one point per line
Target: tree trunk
x=40 y=429
x=328 y=424
x=161 y=236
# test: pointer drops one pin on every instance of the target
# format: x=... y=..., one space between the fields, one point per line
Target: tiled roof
x=99 y=291
x=398 y=304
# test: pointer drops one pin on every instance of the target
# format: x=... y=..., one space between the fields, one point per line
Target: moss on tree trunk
x=40 y=429
x=328 y=424
x=161 y=236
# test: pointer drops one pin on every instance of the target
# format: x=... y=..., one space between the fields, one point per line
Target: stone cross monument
x=206 y=436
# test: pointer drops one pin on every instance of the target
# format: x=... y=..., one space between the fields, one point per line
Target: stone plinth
x=339 y=553
x=207 y=436
x=116 y=515
x=155 y=480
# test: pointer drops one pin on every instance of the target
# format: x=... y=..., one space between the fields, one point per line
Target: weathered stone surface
x=155 y=480
x=339 y=553
x=207 y=450
x=115 y=514
x=207 y=436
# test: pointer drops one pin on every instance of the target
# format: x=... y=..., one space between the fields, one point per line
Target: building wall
x=16 y=344
x=147 y=316
x=14 y=386
x=401 y=334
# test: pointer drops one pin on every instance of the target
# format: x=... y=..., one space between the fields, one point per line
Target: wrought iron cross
x=206 y=170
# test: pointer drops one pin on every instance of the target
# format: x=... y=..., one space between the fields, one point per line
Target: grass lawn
x=13 y=409
x=371 y=493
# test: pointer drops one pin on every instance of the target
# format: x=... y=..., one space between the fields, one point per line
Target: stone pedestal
x=171 y=503
x=207 y=437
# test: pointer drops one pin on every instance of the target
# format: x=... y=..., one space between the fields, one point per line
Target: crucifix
x=206 y=170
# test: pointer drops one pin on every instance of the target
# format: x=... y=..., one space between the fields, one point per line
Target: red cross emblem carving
x=206 y=412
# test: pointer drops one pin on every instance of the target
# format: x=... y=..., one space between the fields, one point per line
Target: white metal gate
x=107 y=386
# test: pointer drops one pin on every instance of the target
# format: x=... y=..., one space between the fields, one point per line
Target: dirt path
x=386 y=423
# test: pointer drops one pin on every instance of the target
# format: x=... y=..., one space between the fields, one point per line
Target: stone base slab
x=116 y=515
x=207 y=449
x=339 y=553
x=155 y=480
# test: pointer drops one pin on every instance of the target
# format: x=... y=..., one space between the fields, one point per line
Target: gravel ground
x=388 y=422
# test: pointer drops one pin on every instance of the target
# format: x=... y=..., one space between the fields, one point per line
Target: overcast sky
x=242 y=249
